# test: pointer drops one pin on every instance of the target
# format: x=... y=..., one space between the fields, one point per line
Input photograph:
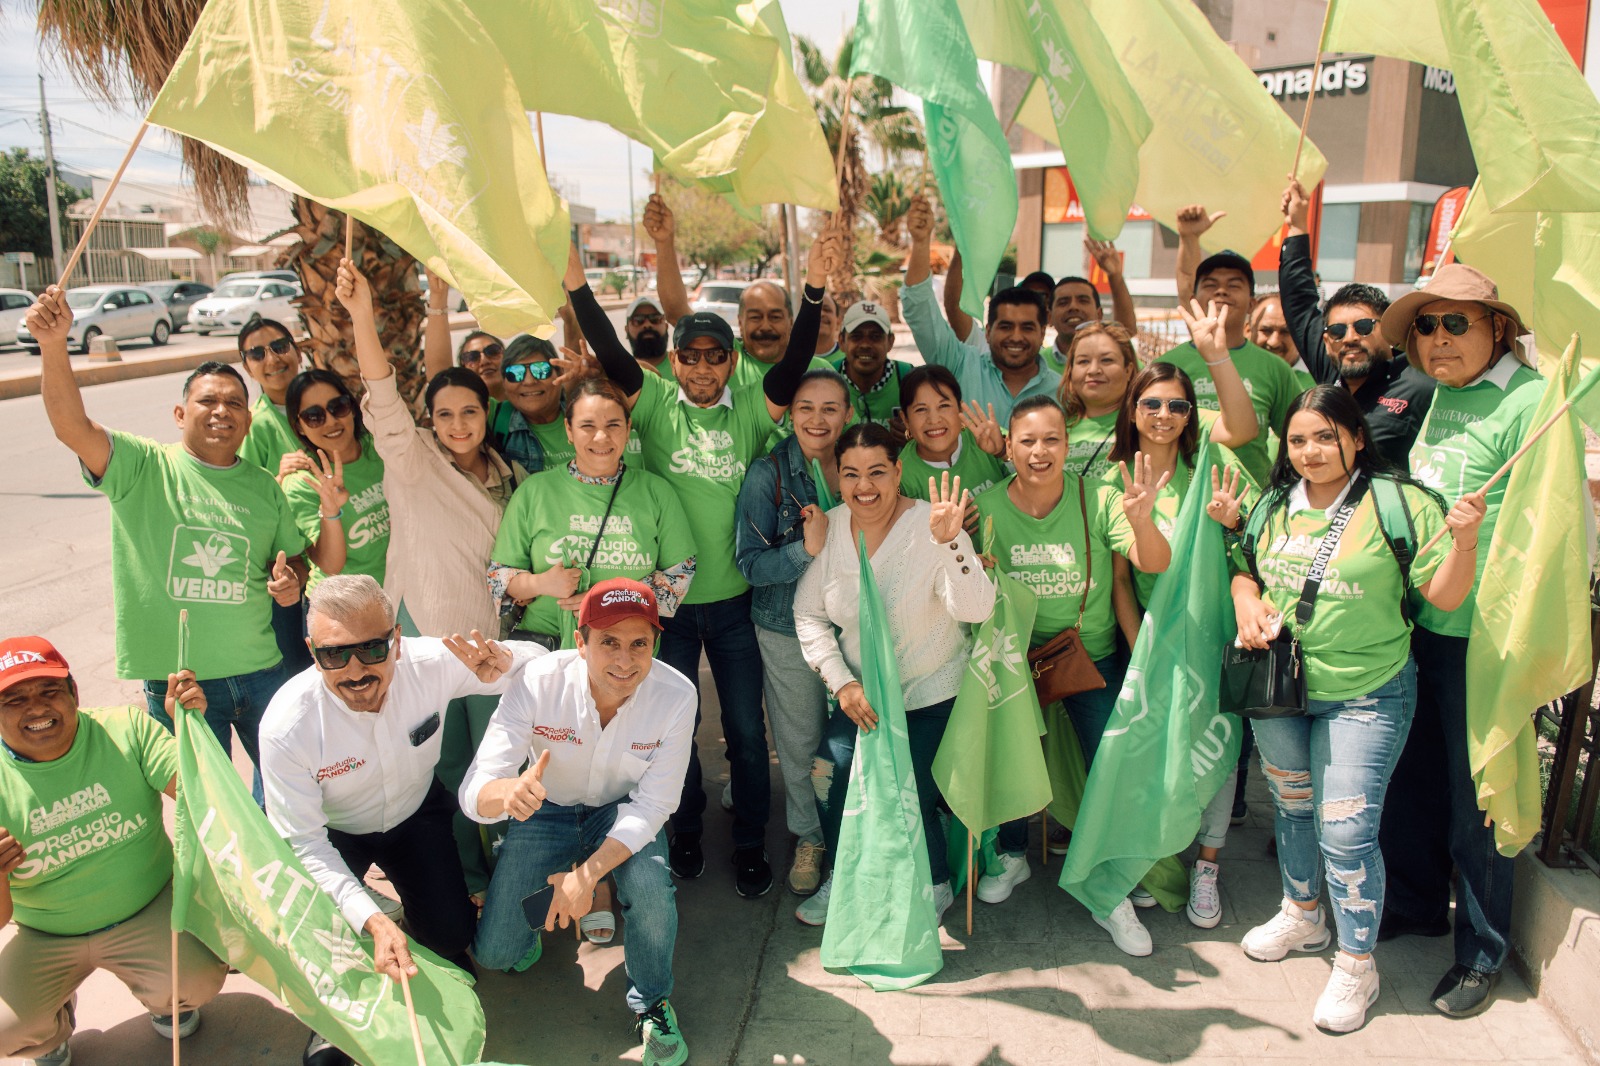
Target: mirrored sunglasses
x=540 y=371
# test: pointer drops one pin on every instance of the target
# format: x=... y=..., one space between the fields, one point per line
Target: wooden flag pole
x=538 y=126
x=177 y=732
x=844 y=134
x=105 y=198
x=349 y=236
x=411 y=1013
x=1316 y=79
x=970 y=843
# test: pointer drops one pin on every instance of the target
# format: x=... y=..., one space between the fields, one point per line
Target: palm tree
x=888 y=200
x=121 y=50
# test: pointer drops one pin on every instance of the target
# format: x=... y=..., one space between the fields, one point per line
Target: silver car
x=123 y=312
x=720 y=297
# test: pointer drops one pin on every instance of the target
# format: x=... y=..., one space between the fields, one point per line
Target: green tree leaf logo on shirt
x=213 y=555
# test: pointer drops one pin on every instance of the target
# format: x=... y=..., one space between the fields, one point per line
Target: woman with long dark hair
x=326 y=417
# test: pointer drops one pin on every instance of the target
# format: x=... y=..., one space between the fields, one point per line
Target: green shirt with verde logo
x=554 y=518
x=1468 y=434
x=977 y=469
x=270 y=437
x=703 y=452
x=1089 y=444
x=1047 y=555
x=1357 y=638
x=365 y=519
x=1267 y=379
x=185 y=535
x=95 y=851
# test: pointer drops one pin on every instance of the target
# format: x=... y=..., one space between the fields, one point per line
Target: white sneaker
x=1013 y=871
x=727 y=796
x=1140 y=898
x=943 y=896
x=1352 y=988
x=1205 y=898
x=813 y=910
x=1127 y=932
x=1291 y=929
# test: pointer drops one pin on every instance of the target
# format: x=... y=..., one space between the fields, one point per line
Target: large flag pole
x=847 y=107
x=1316 y=80
x=177 y=732
x=105 y=197
x=411 y=1013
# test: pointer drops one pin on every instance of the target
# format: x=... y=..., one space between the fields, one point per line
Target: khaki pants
x=40 y=972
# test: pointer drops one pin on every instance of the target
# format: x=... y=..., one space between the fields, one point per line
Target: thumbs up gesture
x=284 y=584
x=527 y=795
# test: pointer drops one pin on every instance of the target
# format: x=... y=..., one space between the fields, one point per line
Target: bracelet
x=331 y=517
x=1458 y=548
x=432 y=311
x=809 y=300
x=1218 y=362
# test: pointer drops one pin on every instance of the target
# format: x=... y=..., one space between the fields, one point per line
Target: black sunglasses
x=646 y=320
x=281 y=346
x=488 y=351
x=337 y=656
x=338 y=407
x=540 y=371
x=712 y=356
x=1181 y=408
x=1362 y=326
x=1454 y=323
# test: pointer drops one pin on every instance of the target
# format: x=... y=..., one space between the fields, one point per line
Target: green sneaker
x=526 y=962
x=663 y=1041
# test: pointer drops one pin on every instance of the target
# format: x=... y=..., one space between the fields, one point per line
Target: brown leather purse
x=1061 y=667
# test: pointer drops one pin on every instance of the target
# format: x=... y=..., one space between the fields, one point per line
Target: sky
x=588 y=160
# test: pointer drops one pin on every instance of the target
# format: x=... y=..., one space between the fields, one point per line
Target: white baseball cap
x=863 y=311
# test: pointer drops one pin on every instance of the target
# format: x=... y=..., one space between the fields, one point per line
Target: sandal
x=598 y=927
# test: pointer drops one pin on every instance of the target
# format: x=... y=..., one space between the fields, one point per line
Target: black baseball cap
x=702 y=324
x=1227 y=259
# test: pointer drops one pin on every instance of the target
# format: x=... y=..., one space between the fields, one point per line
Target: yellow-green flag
x=1406 y=31
x=1530 y=628
x=1080 y=95
x=403 y=114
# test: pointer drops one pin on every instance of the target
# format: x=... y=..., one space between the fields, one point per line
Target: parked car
x=179 y=296
x=237 y=303
x=721 y=297
x=14 y=303
x=122 y=312
x=277 y=275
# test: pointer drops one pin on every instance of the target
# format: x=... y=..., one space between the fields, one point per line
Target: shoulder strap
x=1254 y=526
x=1326 y=550
x=1088 y=553
x=1394 y=516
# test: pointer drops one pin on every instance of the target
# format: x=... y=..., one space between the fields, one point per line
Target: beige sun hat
x=1456 y=281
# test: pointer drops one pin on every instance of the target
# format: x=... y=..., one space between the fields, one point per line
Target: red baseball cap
x=615 y=599
x=23 y=658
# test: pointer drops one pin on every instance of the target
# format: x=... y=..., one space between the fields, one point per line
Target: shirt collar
x=955 y=456
x=1499 y=375
x=725 y=400
x=572 y=468
x=1298 y=500
x=1300 y=365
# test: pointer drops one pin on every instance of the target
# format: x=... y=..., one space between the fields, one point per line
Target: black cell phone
x=536 y=907
x=420 y=735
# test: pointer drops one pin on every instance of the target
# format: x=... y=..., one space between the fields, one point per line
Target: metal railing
x=1569 y=808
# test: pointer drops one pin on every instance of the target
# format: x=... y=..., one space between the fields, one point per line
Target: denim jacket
x=769 y=539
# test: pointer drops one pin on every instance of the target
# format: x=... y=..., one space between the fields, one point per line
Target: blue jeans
x=1328 y=772
x=1433 y=822
x=724 y=629
x=237 y=701
x=550 y=842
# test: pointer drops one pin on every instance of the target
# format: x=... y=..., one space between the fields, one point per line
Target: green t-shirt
x=186 y=535
x=1089 y=444
x=95 y=849
x=552 y=436
x=1468 y=434
x=977 y=469
x=878 y=404
x=270 y=437
x=1055 y=362
x=703 y=452
x=1046 y=554
x=365 y=519
x=752 y=371
x=1267 y=379
x=1357 y=638
x=553 y=518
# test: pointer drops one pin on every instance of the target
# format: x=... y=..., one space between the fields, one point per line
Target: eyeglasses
x=337 y=656
x=1362 y=326
x=540 y=371
x=488 y=351
x=646 y=320
x=1151 y=405
x=712 y=356
x=281 y=346
x=1455 y=324
x=338 y=407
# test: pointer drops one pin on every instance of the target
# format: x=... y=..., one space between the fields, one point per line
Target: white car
x=14 y=303
x=119 y=311
x=235 y=304
x=720 y=297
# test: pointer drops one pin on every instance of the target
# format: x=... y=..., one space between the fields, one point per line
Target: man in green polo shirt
x=874 y=378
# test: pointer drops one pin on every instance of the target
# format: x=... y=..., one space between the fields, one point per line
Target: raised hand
x=528 y=794
x=658 y=220
x=1139 y=488
x=827 y=255
x=1295 y=204
x=853 y=702
x=284 y=584
x=573 y=279
x=984 y=427
x=919 y=220
x=328 y=477
x=1105 y=256
x=575 y=366
x=487 y=659
x=50 y=319
x=183 y=688
x=351 y=288
x=11 y=852
x=1208 y=328
x=1227 y=496
x=1464 y=519
x=815 y=528
x=949 y=508
x=1194 y=220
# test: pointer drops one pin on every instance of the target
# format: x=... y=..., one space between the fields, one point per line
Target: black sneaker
x=1396 y=924
x=1464 y=992
x=752 y=873
x=1241 y=811
x=685 y=856
x=321 y=1052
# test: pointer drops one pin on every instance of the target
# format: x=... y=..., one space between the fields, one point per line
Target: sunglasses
x=338 y=407
x=488 y=351
x=1455 y=324
x=646 y=320
x=1362 y=326
x=337 y=656
x=1151 y=405
x=712 y=356
x=281 y=346
x=537 y=371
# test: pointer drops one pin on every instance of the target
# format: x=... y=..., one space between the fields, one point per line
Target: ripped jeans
x=1328 y=772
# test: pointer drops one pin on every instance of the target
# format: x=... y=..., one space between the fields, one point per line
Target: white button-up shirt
x=324 y=766
x=640 y=758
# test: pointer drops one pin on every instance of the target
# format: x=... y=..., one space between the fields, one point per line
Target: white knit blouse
x=928 y=589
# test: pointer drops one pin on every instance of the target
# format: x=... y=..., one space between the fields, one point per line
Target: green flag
x=882 y=926
x=990 y=767
x=922 y=47
x=825 y=498
x=405 y=115
x=1094 y=113
x=238 y=888
x=1406 y=31
x=1167 y=749
x=1530 y=629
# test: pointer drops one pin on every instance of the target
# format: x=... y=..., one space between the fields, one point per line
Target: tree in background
x=207 y=240
x=24 y=216
x=711 y=233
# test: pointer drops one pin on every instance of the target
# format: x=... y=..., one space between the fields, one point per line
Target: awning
x=248 y=251
x=166 y=253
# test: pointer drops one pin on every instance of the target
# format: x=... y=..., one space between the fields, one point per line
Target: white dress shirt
x=324 y=766
x=640 y=758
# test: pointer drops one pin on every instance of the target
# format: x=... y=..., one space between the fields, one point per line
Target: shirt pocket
x=631 y=768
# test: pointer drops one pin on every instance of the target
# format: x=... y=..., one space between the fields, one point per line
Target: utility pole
x=633 y=228
x=50 y=180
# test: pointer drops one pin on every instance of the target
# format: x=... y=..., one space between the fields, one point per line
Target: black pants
x=419 y=857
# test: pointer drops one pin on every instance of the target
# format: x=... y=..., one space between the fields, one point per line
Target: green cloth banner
x=882 y=926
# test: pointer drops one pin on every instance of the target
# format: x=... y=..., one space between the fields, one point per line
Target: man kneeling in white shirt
x=348 y=752
x=607 y=731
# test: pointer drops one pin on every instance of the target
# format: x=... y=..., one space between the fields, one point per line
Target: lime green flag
x=922 y=47
x=405 y=115
x=882 y=926
x=825 y=498
x=1406 y=31
x=1530 y=629
x=990 y=767
x=1167 y=749
x=1096 y=116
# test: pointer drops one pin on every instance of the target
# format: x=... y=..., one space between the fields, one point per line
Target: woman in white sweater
x=933 y=586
